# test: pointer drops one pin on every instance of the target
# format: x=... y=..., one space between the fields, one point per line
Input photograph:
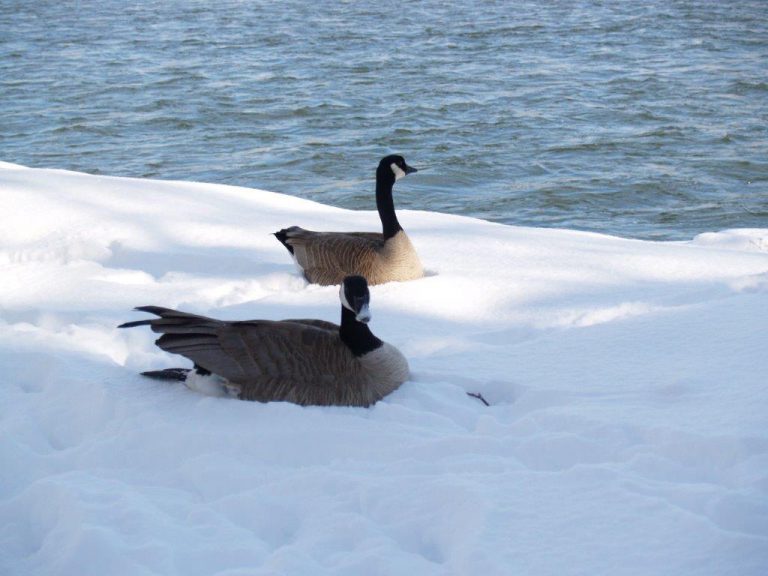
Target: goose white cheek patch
x=399 y=172
x=343 y=298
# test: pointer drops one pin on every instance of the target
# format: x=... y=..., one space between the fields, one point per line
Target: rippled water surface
x=645 y=119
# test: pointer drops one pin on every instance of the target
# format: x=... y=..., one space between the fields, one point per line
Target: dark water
x=647 y=119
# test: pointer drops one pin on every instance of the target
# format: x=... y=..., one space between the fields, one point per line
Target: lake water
x=641 y=119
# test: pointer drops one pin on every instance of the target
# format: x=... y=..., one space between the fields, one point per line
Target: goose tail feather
x=173 y=374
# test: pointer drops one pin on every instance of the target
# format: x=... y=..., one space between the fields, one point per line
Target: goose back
x=327 y=257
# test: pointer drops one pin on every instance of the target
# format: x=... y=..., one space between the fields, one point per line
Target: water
x=645 y=120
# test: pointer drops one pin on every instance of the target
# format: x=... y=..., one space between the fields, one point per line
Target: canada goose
x=300 y=361
x=327 y=257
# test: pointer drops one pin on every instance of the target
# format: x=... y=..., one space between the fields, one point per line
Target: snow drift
x=627 y=431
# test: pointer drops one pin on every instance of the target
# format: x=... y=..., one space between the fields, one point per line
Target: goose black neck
x=385 y=204
x=356 y=335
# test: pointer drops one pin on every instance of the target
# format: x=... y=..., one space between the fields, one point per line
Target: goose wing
x=323 y=324
x=292 y=361
x=326 y=257
x=301 y=361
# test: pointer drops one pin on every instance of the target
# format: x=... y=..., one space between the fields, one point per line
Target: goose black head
x=355 y=297
x=396 y=165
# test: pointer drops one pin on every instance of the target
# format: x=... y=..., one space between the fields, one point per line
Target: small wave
x=741 y=86
x=593 y=146
x=82 y=128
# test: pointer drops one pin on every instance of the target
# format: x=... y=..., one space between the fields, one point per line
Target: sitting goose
x=327 y=257
x=300 y=361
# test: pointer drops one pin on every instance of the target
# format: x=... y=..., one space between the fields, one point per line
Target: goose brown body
x=327 y=257
x=302 y=361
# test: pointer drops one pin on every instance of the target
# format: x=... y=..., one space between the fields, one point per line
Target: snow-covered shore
x=627 y=432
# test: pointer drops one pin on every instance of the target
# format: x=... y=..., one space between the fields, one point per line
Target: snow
x=627 y=432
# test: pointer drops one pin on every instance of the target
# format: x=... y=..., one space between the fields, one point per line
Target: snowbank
x=627 y=432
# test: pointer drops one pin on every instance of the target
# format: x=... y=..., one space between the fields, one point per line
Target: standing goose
x=301 y=361
x=327 y=257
